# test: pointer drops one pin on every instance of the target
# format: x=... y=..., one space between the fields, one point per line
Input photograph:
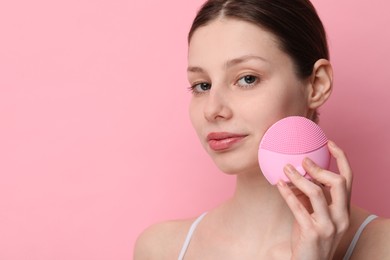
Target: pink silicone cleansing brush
x=289 y=141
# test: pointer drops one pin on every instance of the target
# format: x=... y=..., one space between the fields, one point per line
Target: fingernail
x=289 y=169
x=308 y=162
x=281 y=184
x=332 y=144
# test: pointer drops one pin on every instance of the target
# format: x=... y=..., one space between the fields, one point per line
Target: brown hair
x=295 y=23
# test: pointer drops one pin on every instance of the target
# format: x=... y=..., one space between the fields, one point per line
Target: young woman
x=251 y=63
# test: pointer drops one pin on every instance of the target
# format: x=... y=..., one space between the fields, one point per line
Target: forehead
x=225 y=39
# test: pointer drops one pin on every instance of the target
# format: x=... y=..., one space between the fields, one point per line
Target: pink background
x=95 y=140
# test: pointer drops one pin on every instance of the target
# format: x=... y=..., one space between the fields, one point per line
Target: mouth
x=222 y=141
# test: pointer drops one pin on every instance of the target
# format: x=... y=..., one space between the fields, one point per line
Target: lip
x=220 y=141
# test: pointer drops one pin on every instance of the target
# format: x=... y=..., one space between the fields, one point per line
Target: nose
x=217 y=106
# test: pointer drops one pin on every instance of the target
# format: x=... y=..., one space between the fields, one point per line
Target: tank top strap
x=355 y=239
x=189 y=235
x=347 y=256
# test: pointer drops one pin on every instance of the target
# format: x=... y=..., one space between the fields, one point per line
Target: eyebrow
x=195 y=69
x=230 y=63
x=242 y=59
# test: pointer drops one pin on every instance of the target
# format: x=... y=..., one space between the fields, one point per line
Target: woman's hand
x=322 y=216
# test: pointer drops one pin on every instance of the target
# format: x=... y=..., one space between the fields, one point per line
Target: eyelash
x=249 y=85
x=196 y=92
x=256 y=81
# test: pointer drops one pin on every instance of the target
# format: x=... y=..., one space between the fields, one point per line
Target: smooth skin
x=242 y=82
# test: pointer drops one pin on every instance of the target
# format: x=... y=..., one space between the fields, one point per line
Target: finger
x=342 y=163
x=300 y=213
x=336 y=183
x=312 y=191
x=339 y=208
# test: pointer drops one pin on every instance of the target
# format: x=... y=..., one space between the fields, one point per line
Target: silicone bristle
x=293 y=135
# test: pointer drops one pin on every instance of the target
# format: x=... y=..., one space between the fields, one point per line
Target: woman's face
x=242 y=83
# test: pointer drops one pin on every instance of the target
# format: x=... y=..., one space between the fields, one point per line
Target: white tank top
x=347 y=256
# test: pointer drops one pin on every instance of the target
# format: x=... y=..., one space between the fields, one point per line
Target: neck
x=257 y=204
x=254 y=191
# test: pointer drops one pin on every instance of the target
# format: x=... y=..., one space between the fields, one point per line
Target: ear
x=321 y=83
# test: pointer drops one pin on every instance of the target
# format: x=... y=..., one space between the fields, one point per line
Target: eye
x=200 y=88
x=247 y=81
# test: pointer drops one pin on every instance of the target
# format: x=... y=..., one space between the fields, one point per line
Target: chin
x=233 y=165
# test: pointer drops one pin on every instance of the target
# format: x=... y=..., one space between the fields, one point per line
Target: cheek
x=288 y=101
x=296 y=103
x=195 y=114
x=262 y=111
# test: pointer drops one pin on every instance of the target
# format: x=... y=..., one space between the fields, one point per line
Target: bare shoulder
x=162 y=240
x=374 y=242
